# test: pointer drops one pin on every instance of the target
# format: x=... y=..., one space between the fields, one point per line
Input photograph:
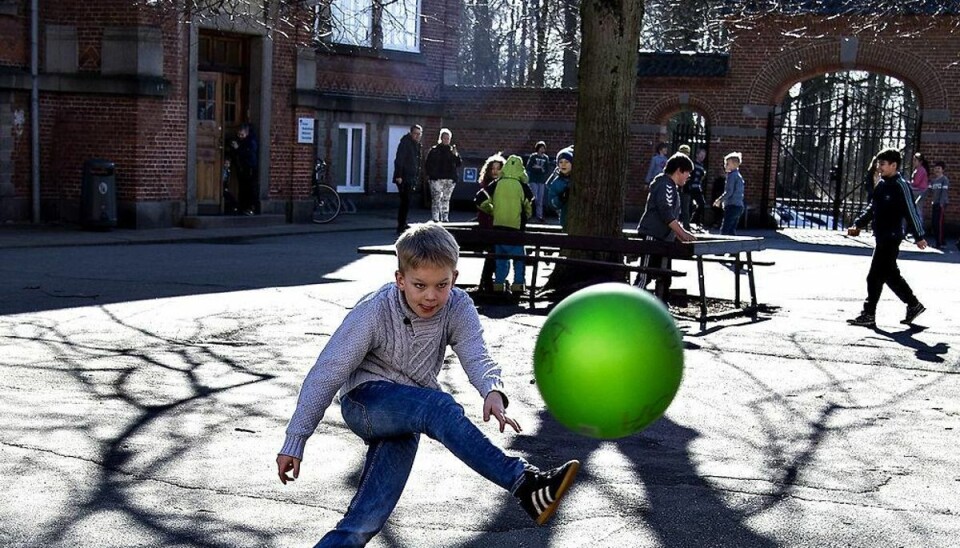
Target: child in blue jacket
x=558 y=185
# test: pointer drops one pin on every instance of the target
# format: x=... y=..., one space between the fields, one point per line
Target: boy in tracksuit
x=661 y=218
x=892 y=204
x=510 y=201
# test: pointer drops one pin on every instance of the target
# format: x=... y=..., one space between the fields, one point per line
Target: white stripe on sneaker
x=535 y=500
x=547 y=495
x=542 y=499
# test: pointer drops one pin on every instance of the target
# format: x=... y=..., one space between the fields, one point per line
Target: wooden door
x=209 y=142
x=219 y=114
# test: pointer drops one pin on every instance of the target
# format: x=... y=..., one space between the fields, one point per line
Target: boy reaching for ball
x=384 y=360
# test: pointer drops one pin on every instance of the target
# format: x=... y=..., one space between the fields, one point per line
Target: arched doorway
x=687 y=127
x=822 y=138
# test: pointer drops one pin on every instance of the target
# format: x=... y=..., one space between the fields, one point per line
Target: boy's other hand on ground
x=853 y=231
x=922 y=244
x=286 y=463
x=493 y=405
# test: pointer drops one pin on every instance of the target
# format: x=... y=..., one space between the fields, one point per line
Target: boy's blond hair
x=427 y=244
x=734 y=156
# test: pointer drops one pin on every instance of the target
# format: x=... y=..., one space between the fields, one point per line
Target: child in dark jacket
x=558 y=185
x=892 y=205
x=938 y=189
x=489 y=173
x=661 y=219
x=510 y=201
x=538 y=169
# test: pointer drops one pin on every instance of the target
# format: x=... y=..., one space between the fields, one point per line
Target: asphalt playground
x=147 y=377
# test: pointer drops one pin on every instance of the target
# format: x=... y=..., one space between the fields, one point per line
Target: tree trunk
x=510 y=72
x=540 y=68
x=486 y=67
x=530 y=42
x=570 y=43
x=523 y=58
x=607 y=81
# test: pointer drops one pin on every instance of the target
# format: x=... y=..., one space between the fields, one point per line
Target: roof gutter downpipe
x=35 y=107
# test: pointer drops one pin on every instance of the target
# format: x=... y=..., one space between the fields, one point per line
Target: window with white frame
x=400 y=23
x=380 y=24
x=351 y=150
x=351 y=22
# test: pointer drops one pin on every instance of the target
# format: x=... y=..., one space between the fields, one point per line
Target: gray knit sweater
x=383 y=339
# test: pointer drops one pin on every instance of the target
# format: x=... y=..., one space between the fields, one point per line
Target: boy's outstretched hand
x=493 y=405
x=286 y=463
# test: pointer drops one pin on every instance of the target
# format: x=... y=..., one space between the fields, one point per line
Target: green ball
x=608 y=360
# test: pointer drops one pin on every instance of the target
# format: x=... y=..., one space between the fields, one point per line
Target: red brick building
x=161 y=98
x=737 y=93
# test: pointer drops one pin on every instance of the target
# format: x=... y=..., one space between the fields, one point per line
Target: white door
x=396 y=133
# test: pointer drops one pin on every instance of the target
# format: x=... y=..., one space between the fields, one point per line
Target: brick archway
x=777 y=76
x=667 y=106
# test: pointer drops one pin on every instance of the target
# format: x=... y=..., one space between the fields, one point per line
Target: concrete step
x=232 y=221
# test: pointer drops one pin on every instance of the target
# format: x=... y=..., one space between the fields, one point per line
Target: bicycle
x=326 y=201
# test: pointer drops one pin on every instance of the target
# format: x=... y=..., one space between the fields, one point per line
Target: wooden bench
x=541 y=248
x=546 y=243
x=733 y=251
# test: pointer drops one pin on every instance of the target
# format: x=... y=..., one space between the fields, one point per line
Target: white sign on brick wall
x=305 y=131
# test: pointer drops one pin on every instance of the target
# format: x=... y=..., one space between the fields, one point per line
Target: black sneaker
x=864 y=319
x=540 y=492
x=912 y=313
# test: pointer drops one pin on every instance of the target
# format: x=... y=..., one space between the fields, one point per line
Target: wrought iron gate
x=823 y=138
x=688 y=128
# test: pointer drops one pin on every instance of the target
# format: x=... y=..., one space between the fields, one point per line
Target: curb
x=27 y=238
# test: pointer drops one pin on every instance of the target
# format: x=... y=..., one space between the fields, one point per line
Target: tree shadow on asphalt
x=125 y=464
x=682 y=507
x=790 y=452
x=922 y=350
x=679 y=506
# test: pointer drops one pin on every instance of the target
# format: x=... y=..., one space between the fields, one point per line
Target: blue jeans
x=503 y=265
x=539 y=190
x=390 y=418
x=731 y=218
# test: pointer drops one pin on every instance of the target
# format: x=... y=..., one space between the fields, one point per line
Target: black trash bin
x=98 y=195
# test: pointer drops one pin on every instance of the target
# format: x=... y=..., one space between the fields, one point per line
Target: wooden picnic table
x=548 y=241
